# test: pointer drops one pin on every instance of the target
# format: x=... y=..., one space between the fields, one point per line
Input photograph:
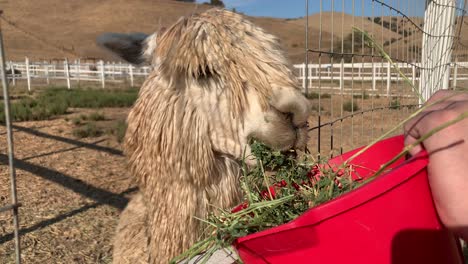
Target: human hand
x=448 y=156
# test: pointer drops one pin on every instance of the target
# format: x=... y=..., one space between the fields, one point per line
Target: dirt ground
x=72 y=190
x=356 y=128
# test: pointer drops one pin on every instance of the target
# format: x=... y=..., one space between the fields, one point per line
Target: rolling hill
x=54 y=29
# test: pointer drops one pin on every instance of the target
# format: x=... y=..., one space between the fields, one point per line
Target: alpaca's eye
x=204 y=73
x=289 y=116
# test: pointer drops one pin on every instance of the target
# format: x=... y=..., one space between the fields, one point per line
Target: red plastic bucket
x=390 y=220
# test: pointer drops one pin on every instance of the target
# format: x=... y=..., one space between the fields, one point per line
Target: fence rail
x=373 y=73
x=117 y=72
x=76 y=71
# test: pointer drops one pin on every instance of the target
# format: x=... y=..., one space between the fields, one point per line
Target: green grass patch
x=314 y=95
x=395 y=104
x=91 y=98
x=76 y=121
x=350 y=106
x=29 y=109
x=363 y=95
x=56 y=101
x=88 y=130
x=118 y=130
x=83 y=117
x=315 y=107
x=96 y=117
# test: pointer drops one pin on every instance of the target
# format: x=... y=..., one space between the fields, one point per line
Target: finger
x=409 y=140
x=411 y=128
x=449 y=95
x=426 y=113
x=427 y=121
x=439 y=95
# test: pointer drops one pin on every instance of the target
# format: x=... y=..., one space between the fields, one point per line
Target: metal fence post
x=14 y=198
x=439 y=18
x=306 y=69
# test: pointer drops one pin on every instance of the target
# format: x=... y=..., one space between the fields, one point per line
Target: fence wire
x=357 y=93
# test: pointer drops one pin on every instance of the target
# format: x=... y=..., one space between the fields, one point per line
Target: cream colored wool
x=218 y=81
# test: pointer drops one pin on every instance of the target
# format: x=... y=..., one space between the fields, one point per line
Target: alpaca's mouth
x=301 y=137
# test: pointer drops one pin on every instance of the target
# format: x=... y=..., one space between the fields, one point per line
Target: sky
x=296 y=8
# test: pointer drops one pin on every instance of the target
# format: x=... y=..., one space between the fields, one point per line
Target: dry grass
x=58 y=29
x=72 y=191
x=353 y=132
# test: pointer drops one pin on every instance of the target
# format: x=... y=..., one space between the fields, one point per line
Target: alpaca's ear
x=130 y=47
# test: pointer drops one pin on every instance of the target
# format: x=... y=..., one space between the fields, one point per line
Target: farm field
x=72 y=180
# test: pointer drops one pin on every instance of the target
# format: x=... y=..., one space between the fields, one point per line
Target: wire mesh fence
x=356 y=91
x=360 y=90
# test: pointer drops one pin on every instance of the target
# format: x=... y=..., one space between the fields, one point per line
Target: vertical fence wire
x=341 y=76
x=359 y=77
x=352 y=73
x=306 y=68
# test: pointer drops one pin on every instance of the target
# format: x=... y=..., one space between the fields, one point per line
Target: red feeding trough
x=390 y=220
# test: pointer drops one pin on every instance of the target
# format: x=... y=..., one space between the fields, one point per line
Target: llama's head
x=229 y=69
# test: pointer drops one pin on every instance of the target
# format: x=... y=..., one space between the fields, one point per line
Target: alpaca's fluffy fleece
x=218 y=81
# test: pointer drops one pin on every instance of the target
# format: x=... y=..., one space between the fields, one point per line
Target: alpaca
x=218 y=81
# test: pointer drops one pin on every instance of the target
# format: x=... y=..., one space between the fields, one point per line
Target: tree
x=217 y=3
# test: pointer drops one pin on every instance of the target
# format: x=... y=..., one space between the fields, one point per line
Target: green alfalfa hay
x=277 y=190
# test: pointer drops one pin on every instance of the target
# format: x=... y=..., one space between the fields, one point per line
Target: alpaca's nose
x=304 y=125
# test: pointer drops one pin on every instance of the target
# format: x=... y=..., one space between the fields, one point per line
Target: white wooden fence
x=114 y=72
x=74 y=72
x=373 y=73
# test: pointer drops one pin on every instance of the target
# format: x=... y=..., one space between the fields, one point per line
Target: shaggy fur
x=218 y=81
